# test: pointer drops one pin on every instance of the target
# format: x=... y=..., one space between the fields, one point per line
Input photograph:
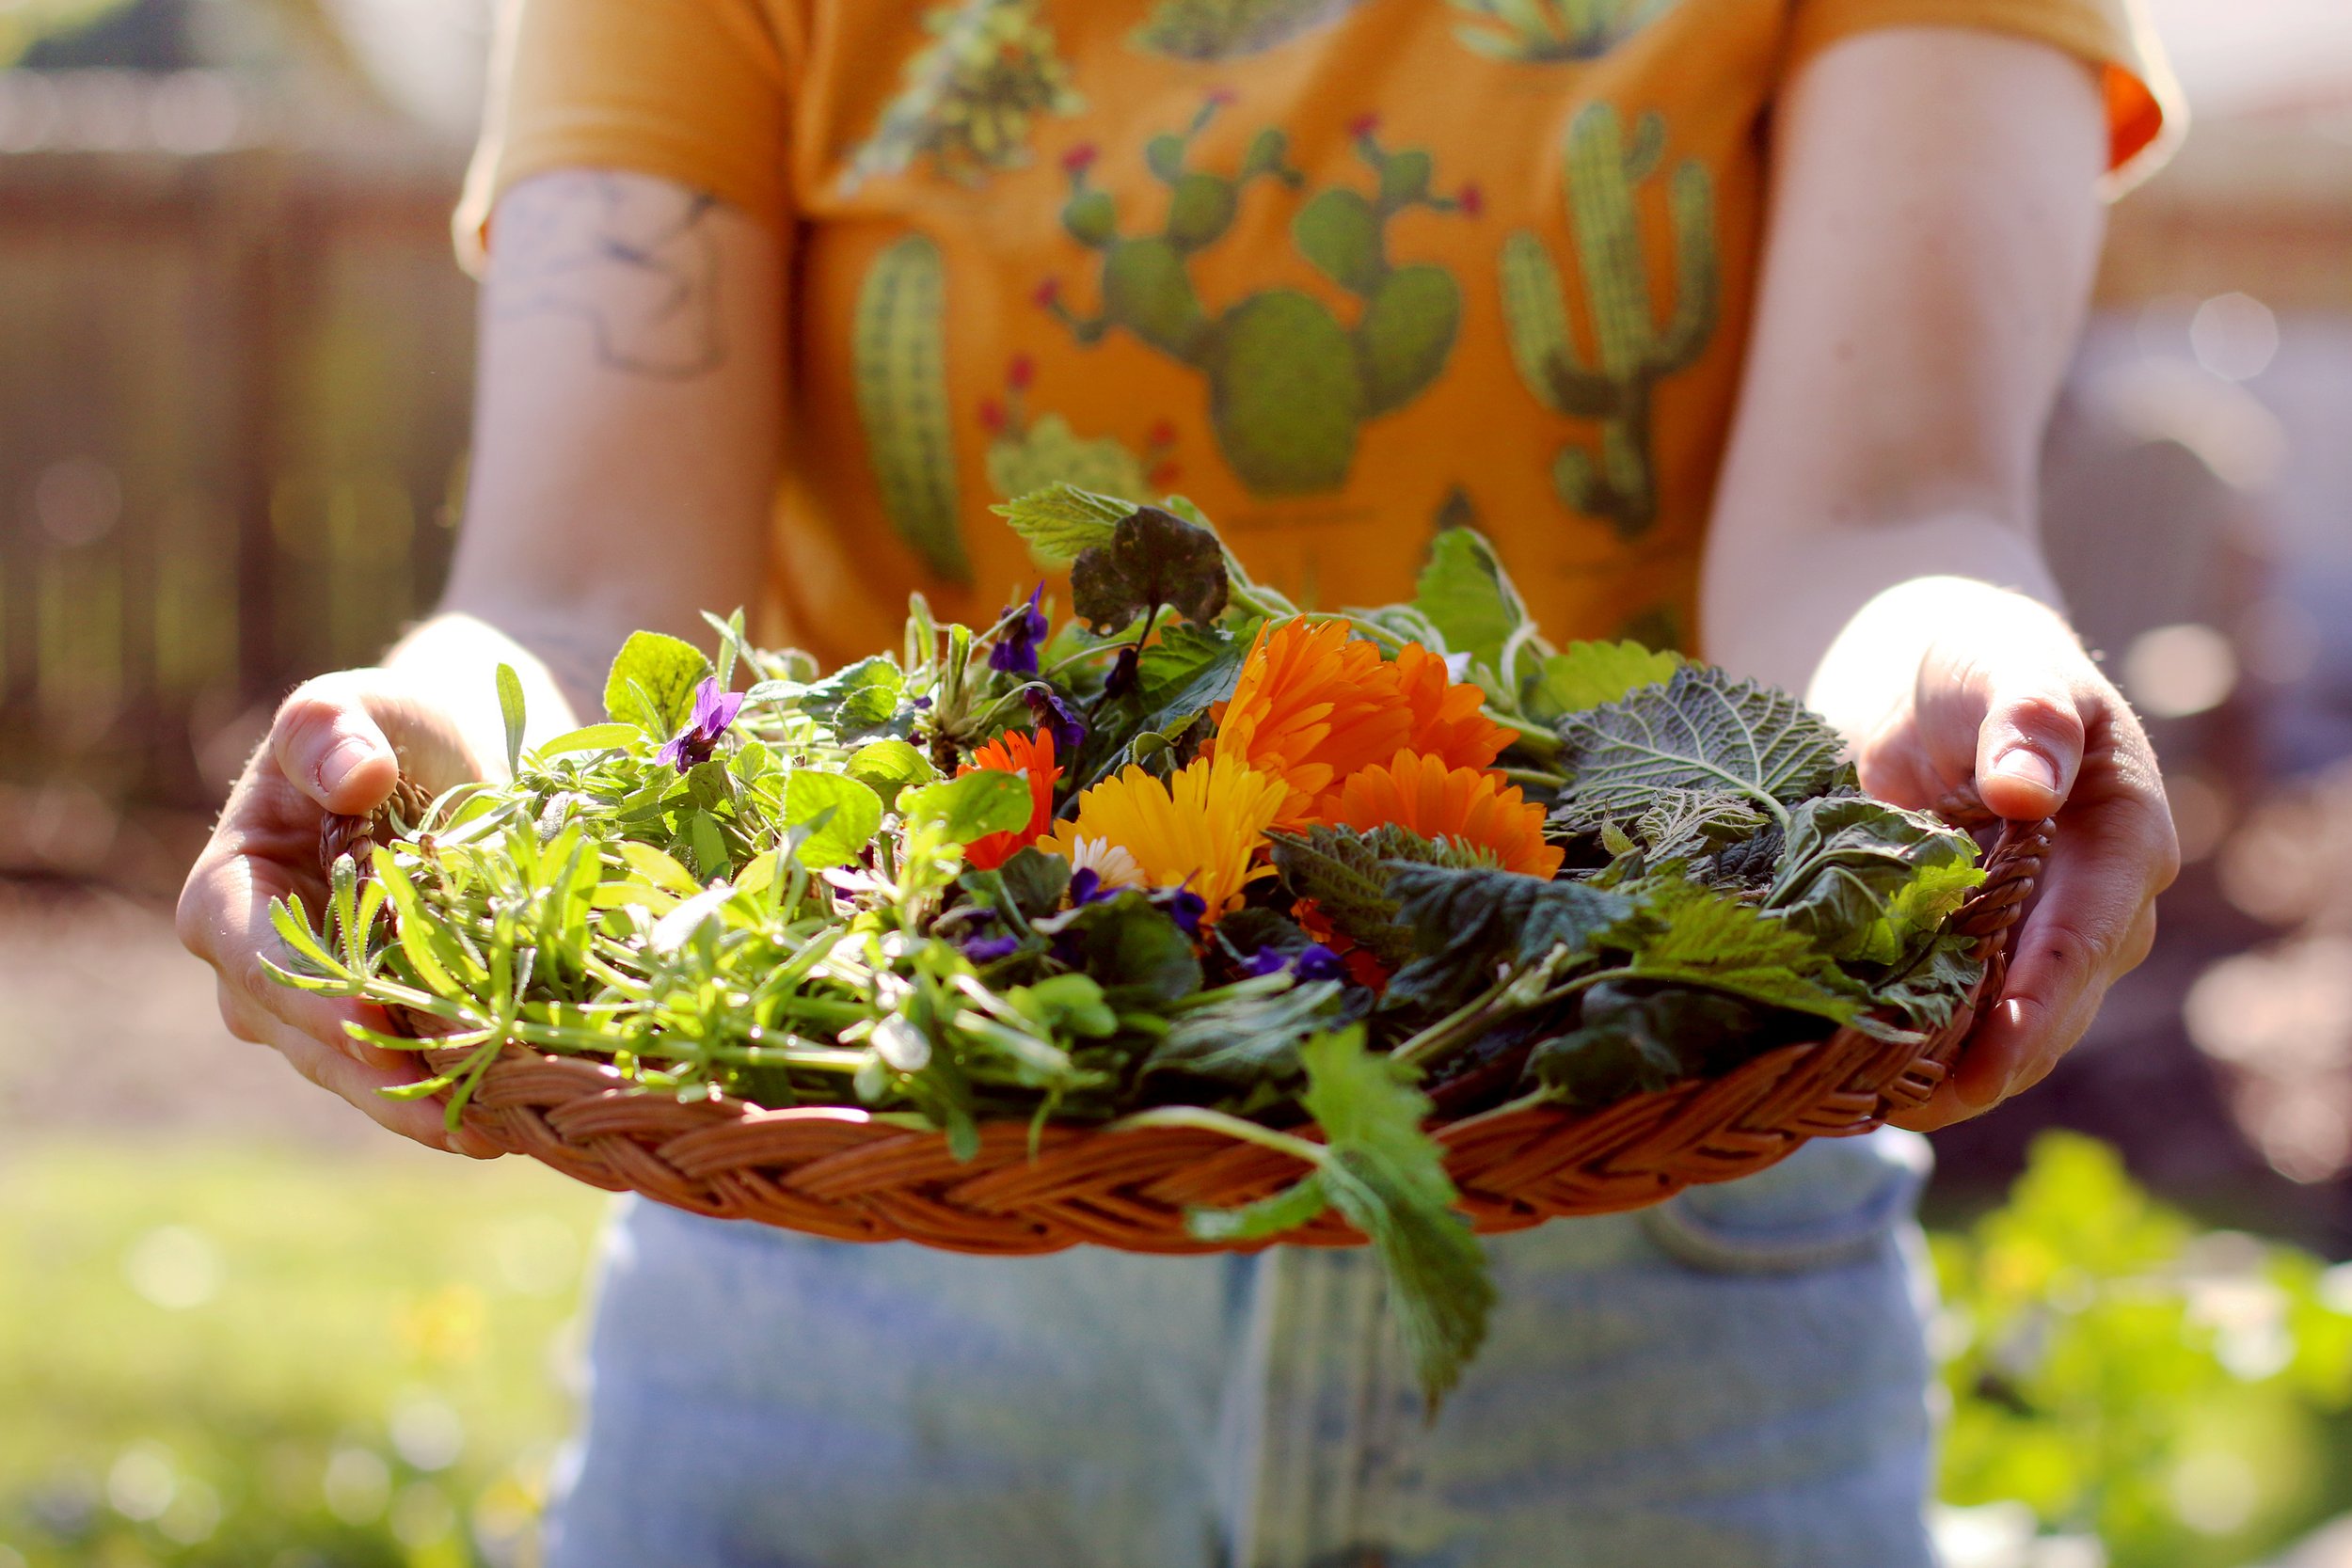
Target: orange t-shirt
x=1341 y=270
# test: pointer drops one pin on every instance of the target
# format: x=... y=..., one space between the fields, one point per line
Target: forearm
x=456 y=656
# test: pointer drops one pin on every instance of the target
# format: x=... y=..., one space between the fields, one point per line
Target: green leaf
x=592 y=738
x=1246 y=1040
x=1928 y=994
x=1138 y=956
x=1848 y=861
x=890 y=765
x=1062 y=522
x=1035 y=881
x=852 y=813
x=1586 y=674
x=708 y=785
x=1465 y=594
x=1684 y=823
x=855 y=699
x=1344 y=873
x=1631 y=1040
x=1687 y=932
x=1467 y=922
x=709 y=844
x=1703 y=730
x=981 y=803
x=511 y=709
x=652 y=683
x=1287 y=1209
x=1387 y=1177
x=1154 y=559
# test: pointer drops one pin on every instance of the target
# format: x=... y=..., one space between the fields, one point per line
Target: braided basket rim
x=849 y=1175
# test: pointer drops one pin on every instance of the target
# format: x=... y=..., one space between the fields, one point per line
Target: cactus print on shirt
x=1337 y=270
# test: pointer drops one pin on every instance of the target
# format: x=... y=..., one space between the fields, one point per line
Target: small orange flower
x=1312 y=706
x=1449 y=718
x=1031 y=757
x=1469 y=805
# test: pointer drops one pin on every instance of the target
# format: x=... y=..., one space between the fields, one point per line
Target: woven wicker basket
x=841 y=1173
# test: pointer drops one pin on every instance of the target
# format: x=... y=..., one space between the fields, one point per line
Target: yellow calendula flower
x=1203 y=830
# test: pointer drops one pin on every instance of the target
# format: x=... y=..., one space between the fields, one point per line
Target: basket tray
x=847 y=1175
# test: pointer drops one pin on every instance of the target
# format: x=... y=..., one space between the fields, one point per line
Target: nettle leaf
x=888 y=767
x=854 y=700
x=841 y=814
x=652 y=682
x=1848 y=859
x=1251 y=1039
x=1472 y=920
x=1687 y=932
x=1703 y=730
x=1062 y=522
x=1155 y=558
x=1681 y=823
x=979 y=803
x=1465 y=594
x=1631 y=1041
x=1929 y=992
x=1386 y=1178
x=1586 y=674
x=1343 y=872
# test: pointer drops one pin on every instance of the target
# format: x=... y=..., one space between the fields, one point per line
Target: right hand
x=337 y=745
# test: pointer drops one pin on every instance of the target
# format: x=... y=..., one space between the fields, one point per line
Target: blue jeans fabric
x=1736 y=1379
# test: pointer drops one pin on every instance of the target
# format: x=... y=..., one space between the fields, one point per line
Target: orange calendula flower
x=1469 y=805
x=1449 y=718
x=1312 y=706
x=1032 y=757
x=1201 y=829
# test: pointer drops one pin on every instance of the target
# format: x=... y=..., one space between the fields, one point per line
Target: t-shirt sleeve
x=691 y=90
x=2145 y=116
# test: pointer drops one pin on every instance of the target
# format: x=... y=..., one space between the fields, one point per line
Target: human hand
x=2014 y=706
x=338 y=744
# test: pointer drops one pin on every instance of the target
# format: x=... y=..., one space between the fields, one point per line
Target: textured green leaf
x=1932 y=989
x=1586 y=674
x=840 y=838
x=1347 y=875
x=1249 y=1041
x=1387 y=1177
x=1271 y=1215
x=1155 y=558
x=652 y=683
x=854 y=700
x=592 y=738
x=1473 y=919
x=1849 y=860
x=1686 y=932
x=1465 y=594
x=1062 y=522
x=1702 y=730
x=979 y=803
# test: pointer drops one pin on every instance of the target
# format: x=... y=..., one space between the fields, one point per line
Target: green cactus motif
x=1631 y=350
x=1228 y=29
x=1289 y=384
x=1659 y=628
x=1545 y=32
x=968 y=97
x=899 y=353
x=1029 y=452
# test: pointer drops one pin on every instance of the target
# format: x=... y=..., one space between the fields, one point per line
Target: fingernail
x=340 y=758
x=2026 y=766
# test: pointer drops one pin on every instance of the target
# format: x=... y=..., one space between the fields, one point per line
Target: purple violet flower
x=987 y=950
x=1050 y=713
x=1020 y=631
x=1087 y=887
x=1182 y=905
x=1313 y=961
x=714 y=710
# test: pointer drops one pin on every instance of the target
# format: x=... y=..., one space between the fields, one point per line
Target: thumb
x=2029 y=746
x=330 y=747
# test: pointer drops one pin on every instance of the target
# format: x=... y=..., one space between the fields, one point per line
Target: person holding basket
x=1735 y=324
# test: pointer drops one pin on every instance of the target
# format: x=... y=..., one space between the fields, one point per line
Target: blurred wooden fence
x=233 y=392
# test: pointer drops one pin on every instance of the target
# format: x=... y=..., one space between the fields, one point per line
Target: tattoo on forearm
x=627 y=255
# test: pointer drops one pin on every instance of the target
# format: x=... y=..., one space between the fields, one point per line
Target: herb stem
x=1200 y=1119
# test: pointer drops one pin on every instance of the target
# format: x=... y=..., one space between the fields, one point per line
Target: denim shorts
x=1736 y=1379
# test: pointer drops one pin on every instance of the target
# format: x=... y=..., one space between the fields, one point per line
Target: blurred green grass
x=262 y=1359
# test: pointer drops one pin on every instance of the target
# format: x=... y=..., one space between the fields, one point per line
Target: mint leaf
x=1703 y=730
x=1687 y=932
x=1465 y=594
x=652 y=683
x=1387 y=1177
x=1154 y=559
x=1586 y=674
x=1062 y=522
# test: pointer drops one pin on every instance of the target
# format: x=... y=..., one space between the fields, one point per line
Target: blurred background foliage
x=240 y=1327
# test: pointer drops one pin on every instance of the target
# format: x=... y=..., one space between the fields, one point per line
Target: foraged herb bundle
x=1193 y=859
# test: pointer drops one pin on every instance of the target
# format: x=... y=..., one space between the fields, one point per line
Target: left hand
x=2014 y=703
